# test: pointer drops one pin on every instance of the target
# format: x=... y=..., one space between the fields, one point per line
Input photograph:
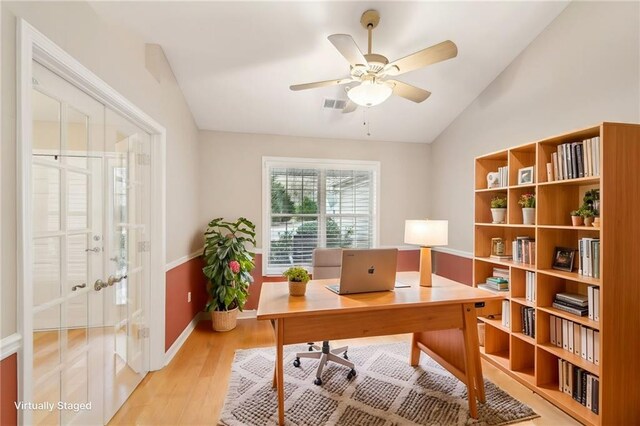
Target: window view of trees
x=299 y=209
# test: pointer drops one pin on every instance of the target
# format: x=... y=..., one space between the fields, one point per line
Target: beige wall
x=583 y=69
x=231 y=173
x=118 y=57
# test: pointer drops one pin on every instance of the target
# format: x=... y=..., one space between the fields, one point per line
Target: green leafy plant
x=587 y=213
x=575 y=213
x=228 y=262
x=527 y=200
x=499 y=202
x=297 y=274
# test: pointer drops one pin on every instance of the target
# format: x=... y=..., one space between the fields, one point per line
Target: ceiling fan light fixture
x=370 y=93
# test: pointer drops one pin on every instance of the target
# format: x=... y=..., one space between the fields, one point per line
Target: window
x=316 y=203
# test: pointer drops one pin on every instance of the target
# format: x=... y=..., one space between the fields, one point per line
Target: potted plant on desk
x=298 y=278
x=228 y=269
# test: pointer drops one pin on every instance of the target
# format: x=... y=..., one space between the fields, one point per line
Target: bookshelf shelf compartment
x=534 y=362
x=566 y=315
x=572 y=358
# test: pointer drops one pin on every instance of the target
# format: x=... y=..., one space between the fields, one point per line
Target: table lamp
x=427 y=234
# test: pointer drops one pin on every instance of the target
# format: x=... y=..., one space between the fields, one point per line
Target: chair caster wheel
x=317 y=381
x=351 y=374
x=296 y=362
x=310 y=349
x=344 y=355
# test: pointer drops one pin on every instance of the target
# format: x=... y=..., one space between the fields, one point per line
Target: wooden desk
x=442 y=319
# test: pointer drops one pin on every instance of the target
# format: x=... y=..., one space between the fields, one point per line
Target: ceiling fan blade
x=430 y=55
x=349 y=107
x=317 y=84
x=348 y=48
x=408 y=91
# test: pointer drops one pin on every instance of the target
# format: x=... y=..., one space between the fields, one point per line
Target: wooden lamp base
x=425 y=266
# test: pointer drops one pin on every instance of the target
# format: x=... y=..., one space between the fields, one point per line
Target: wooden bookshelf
x=534 y=361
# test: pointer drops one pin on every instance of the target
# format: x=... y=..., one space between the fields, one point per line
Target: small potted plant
x=576 y=217
x=298 y=278
x=498 y=208
x=587 y=216
x=228 y=269
x=528 y=203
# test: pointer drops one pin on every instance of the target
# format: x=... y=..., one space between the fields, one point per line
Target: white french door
x=90 y=173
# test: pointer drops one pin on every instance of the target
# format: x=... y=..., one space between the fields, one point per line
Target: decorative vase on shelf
x=528 y=215
x=596 y=222
x=588 y=220
x=498 y=215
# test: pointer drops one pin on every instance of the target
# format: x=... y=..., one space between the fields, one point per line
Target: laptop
x=367 y=270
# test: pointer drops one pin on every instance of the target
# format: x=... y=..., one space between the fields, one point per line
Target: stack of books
x=579 y=384
x=589 y=252
x=576 y=160
x=528 y=321
x=501 y=272
x=524 y=250
x=576 y=304
x=578 y=339
x=495 y=284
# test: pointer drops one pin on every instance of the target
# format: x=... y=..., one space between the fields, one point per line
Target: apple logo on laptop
x=371 y=270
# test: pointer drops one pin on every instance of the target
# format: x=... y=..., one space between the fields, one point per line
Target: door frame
x=33 y=45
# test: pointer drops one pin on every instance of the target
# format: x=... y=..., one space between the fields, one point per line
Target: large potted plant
x=228 y=268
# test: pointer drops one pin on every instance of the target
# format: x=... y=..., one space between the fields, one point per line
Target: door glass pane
x=46 y=342
x=74 y=382
x=46 y=199
x=77 y=199
x=46 y=270
x=47 y=390
x=77 y=265
x=77 y=143
x=46 y=126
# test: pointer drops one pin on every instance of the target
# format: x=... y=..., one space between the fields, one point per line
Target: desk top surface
x=275 y=301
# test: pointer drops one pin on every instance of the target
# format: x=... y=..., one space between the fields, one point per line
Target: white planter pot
x=528 y=215
x=498 y=215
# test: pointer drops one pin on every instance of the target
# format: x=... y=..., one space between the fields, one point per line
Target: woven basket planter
x=297 y=288
x=224 y=320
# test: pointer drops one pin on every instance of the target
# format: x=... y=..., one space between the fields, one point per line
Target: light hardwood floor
x=192 y=388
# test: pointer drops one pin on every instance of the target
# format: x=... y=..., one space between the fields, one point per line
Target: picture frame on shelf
x=563 y=259
x=525 y=176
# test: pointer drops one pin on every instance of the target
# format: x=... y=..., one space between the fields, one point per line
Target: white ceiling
x=235 y=60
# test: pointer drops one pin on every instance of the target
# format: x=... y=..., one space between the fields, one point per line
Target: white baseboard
x=10 y=345
x=175 y=347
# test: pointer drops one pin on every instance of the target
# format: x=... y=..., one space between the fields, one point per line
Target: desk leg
x=279 y=369
x=472 y=323
x=415 y=351
x=471 y=352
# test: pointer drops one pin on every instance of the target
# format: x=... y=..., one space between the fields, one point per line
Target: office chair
x=326 y=264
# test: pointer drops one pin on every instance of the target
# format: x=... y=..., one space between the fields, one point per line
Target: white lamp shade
x=427 y=233
x=369 y=94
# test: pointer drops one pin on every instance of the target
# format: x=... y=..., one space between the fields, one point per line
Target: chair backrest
x=326 y=263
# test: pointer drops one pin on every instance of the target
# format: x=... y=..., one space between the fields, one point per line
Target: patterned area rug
x=386 y=391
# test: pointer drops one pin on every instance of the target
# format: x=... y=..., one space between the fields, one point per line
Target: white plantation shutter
x=316 y=203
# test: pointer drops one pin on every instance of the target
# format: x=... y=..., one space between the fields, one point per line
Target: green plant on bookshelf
x=576 y=217
x=498 y=208
x=528 y=203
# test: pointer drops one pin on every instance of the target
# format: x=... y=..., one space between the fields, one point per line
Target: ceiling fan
x=373 y=71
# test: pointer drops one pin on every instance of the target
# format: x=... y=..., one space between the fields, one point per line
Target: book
x=572 y=305
x=583 y=342
x=580 y=159
x=587 y=144
x=596 y=304
x=590 y=299
x=565 y=334
x=574 y=160
x=596 y=347
x=596 y=259
x=552 y=330
x=589 y=345
x=505 y=313
x=573 y=298
x=570 y=310
x=560 y=374
x=559 y=153
x=568 y=161
x=490 y=288
x=570 y=337
x=576 y=339
x=595 y=397
x=559 y=332
x=549 y=172
x=554 y=160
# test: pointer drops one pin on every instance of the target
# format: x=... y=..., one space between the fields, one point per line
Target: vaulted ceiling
x=235 y=60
